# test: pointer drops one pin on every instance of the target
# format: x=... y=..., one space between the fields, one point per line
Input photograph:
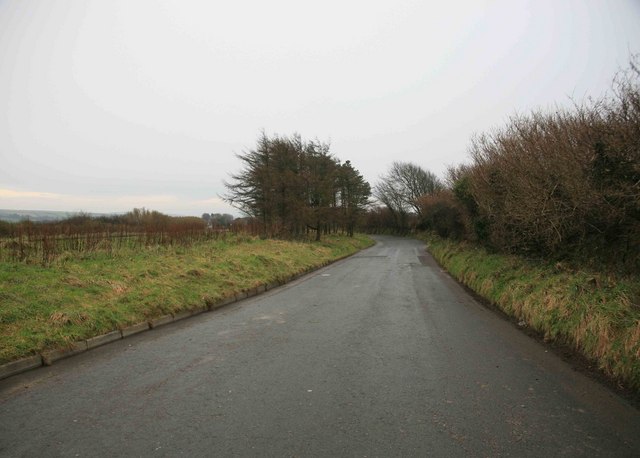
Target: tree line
x=296 y=187
x=561 y=185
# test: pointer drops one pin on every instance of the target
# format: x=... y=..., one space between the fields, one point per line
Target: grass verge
x=81 y=296
x=595 y=313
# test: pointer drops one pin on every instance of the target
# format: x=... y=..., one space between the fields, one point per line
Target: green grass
x=596 y=313
x=80 y=296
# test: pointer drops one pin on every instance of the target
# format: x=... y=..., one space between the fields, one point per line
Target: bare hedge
x=564 y=183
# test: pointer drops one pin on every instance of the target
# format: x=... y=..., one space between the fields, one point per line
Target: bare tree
x=402 y=187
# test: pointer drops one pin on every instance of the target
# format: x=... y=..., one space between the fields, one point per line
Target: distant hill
x=14 y=216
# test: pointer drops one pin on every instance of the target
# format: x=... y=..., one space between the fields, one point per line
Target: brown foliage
x=443 y=214
x=44 y=242
x=561 y=183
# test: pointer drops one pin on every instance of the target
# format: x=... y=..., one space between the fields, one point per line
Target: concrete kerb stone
x=104 y=339
x=272 y=285
x=182 y=315
x=19 y=366
x=135 y=329
x=198 y=310
x=160 y=321
x=241 y=295
x=223 y=302
x=49 y=357
x=261 y=289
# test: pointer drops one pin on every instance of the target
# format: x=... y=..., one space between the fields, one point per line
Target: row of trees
x=294 y=186
x=563 y=185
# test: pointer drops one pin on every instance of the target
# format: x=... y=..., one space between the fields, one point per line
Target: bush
x=443 y=214
x=560 y=184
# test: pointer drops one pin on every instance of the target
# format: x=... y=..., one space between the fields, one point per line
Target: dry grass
x=590 y=311
x=78 y=297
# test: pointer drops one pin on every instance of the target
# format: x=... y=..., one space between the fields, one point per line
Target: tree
x=354 y=193
x=319 y=172
x=402 y=187
x=249 y=190
x=294 y=186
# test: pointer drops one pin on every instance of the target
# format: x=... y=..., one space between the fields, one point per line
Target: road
x=381 y=354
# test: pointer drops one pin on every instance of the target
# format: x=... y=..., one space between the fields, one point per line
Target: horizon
x=4 y=212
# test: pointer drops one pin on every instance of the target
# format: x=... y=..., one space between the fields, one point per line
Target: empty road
x=381 y=354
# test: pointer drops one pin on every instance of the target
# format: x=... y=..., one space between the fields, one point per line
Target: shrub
x=560 y=184
x=443 y=214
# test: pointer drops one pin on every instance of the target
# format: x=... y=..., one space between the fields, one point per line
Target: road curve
x=381 y=354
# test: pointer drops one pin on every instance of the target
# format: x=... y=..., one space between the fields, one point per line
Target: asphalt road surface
x=381 y=354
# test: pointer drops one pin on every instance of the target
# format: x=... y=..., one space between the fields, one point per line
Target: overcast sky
x=113 y=104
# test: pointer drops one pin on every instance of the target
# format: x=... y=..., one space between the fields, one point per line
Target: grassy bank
x=597 y=314
x=83 y=295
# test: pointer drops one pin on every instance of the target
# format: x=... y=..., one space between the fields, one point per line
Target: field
x=52 y=301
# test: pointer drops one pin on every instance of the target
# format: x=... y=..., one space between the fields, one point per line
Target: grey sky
x=113 y=104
